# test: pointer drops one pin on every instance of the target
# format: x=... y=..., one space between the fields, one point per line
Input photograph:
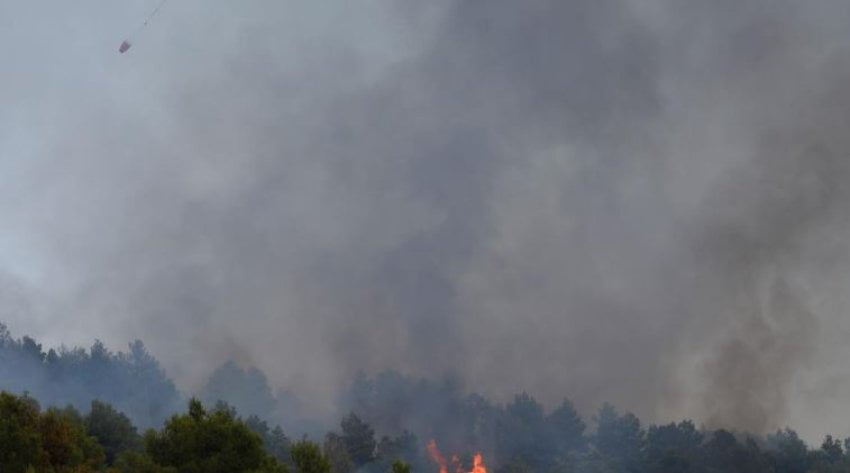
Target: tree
x=673 y=448
x=619 y=438
x=132 y=382
x=112 y=429
x=66 y=444
x=830 y=458
x=522 y=436
x=359 y=440
x=308 y=458
x=832 y=449
x=400 y=467
x=136 y=462
x=276 y=443
x=20 y=441
x=566 y=429
x=50 y=441
x=214 y=442
x=723 y=453
x=336 y=451
x=788 y=452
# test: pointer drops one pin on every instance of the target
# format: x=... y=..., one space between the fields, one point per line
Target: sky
x=634 y=201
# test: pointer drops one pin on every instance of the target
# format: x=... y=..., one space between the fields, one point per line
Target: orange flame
x=438 y=457
x=478 y=464
x=457 y=465
x=440 y=460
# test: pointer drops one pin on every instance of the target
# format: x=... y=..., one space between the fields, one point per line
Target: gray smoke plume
x=634 y=201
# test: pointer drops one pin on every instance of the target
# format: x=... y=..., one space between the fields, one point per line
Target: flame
x=440 y=460
x=438 y=457
x=457 y=465
x=478 y=464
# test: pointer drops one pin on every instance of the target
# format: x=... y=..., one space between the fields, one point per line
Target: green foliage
x=136 y=462
x=276 y=443
x=53 y=441
x=308 y=458
x=66 y=444
x=20 y=441
x=359 y=440
x=112 y=429
x=519 y=437
x=208 y=442
x=400 y=467
x=336 y=451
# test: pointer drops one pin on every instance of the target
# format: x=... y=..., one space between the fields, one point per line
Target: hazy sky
x=636 y=201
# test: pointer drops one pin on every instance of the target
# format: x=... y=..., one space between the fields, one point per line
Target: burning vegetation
x=241 y=427
x=440 y=460
x=637 y=201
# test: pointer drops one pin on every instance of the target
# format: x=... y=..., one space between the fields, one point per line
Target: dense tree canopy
x=359 y=440
x=389 y=419
x=112 y=429
x=132 y=381
x=52 y=441
x=529 y=441
x=308 y=458
x=209 y=442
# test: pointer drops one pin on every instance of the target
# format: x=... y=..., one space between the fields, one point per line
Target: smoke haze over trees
x=132 y=381
x=641 y=202
x=518 y=437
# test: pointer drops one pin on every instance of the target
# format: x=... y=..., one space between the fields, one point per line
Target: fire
x=478 y=464
x=440 y=460
x=457 y=465
x=438 y=457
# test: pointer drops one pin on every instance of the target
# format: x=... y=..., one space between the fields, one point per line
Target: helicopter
x=128 y=43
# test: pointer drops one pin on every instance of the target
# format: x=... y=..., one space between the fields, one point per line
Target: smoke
x=638 y=202
x=763 y=237
x=760 y=233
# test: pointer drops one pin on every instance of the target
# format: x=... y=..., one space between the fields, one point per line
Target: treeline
x=104 y=440
x=133 y=381
x=218 y=440
x=112 y=398
x=521 y=437
x=200 y=440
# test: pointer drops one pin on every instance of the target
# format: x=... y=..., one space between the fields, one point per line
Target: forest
x=92 y=410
